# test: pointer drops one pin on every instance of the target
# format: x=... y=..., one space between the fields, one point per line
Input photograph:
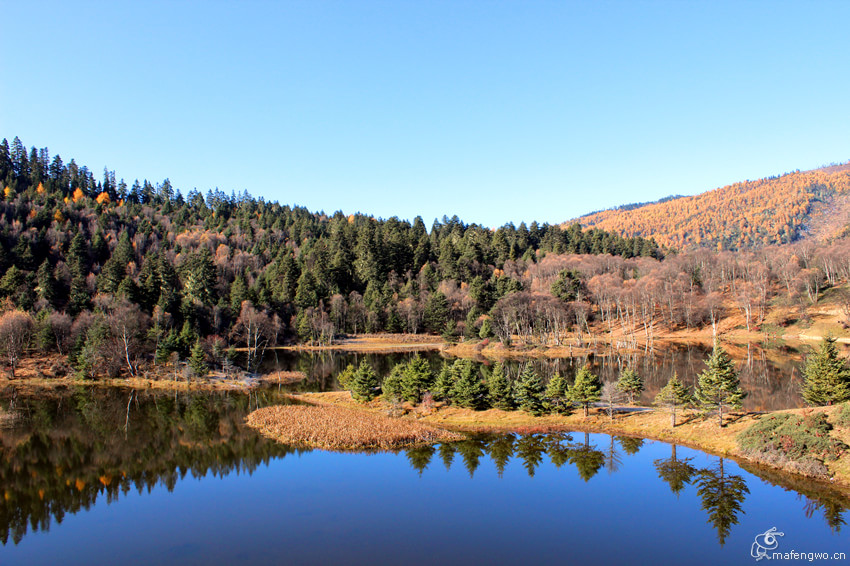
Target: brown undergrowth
x=341 y=428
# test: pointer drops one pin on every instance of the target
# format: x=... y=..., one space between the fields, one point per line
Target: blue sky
x=494 y=111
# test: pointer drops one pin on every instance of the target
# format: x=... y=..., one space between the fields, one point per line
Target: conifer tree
x=364 y=383
x=826 y=377
x=630 y=384
x=557 y=395
x=468 y=390
x=417 y=378
x=499 y=390
x=393 y=384
x=718 y=385
x=443 y=385
x=345 y=376
x=198 y=360
x=528 y=392
x=586 y=389
x=672 y=396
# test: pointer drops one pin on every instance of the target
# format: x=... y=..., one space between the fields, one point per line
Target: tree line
x=116 y=275
x=138 y=271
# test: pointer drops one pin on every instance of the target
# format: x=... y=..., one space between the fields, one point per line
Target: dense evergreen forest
x=116 y=274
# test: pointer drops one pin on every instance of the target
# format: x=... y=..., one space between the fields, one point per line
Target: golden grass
x=341 y=428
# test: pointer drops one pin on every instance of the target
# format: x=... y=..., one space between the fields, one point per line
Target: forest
x=118 y=276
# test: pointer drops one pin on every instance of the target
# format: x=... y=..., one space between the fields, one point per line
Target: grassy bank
x=342 y=428
x=691 y=430
x=44 y=373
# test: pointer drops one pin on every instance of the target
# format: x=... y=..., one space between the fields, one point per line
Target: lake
x=94 y=476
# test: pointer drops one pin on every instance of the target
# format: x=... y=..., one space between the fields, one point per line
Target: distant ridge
x=634 y=205
x=750 y=214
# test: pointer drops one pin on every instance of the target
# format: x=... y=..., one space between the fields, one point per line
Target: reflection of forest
x=89 y=443
x=770 y=376
x=722 y=494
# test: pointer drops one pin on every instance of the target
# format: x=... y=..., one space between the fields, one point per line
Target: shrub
x=800 y=444
x=843 y=416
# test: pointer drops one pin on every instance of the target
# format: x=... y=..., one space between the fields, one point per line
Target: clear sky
x=495 y=111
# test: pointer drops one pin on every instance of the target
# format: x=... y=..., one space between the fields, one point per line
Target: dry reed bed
x=339 y=428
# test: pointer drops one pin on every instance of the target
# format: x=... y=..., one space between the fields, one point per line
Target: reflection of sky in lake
x=325 y=508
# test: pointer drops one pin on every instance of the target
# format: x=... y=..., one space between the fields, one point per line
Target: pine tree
x=528 y=392
x=557 y=395
x=499 y=389
x=586 y=389
x=198 y=361
x=468 y=390
x=672 y=396
x=826 y=377
x=364 y=383
x=346 y=376
x=393 y=385
x=436 y=313
x=443 y=385
x=417 y=378
x=630 y=384
x=718 y=385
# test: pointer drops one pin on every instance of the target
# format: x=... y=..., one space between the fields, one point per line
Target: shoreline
x=691 y=430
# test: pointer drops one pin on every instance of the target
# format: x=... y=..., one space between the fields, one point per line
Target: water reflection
x=771 y=376
x=677 y=473
x=75 y=447
x=722 y=495
x=80 y=448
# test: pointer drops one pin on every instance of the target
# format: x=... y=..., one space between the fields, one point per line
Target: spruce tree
x=346 y=376
x=529 y=392
x=557 y=395
x=198 y=360
x=393 y=384
x=468 y=390
x=499 y=390
x=364 y=383
x=672 y=396
x=826 y=377
x=630 y=384
x=586 y=389
x=417 y=378
x=443 y=385
x=718 y=385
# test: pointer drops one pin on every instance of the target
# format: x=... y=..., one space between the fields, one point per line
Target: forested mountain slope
x=751 y=214
x=87 y=257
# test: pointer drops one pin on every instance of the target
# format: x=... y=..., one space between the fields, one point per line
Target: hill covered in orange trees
x=750 y=214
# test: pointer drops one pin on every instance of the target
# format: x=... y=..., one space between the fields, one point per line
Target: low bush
x=799 y=444
x=842 y=418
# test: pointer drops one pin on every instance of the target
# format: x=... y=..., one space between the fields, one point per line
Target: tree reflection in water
x=68 y=450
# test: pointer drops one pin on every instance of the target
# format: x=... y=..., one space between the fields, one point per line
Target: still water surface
x=181 y=480
x=771 y=376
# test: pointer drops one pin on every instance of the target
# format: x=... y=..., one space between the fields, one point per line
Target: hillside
x=750 y=214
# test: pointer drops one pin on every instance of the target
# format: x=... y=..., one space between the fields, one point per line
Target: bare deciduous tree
x=15 y=333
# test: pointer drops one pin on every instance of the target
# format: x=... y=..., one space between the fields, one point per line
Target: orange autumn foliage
x=752 y=213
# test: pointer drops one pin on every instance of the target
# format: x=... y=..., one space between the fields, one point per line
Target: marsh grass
x=339 y=428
